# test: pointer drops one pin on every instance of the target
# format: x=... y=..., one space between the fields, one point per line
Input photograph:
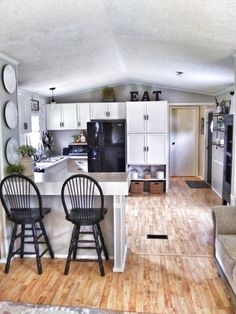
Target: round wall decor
x=9 y=79
x=10 y=114
x=11 y=151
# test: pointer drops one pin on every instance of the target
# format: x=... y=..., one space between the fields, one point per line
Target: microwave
x=78 y=149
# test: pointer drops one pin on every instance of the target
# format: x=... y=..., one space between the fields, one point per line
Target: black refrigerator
x=106 y=146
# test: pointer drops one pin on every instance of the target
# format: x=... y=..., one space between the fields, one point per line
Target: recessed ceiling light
x=179 y=73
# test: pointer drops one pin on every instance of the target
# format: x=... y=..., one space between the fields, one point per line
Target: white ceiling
x=77 y=45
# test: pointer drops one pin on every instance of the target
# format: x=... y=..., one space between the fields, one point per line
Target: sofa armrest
x=224 y=218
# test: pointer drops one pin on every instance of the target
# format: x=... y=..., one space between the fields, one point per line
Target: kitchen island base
x=59 y=229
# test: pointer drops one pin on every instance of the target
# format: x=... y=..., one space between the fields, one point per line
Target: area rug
x=197 y=184
x=18 y=308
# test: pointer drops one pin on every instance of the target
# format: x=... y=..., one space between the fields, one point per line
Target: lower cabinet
x=76 y=164
x=59 y=167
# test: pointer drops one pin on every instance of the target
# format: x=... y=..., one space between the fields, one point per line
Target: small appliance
x=78 y=149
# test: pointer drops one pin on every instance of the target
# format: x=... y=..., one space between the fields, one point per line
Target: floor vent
x=157 y=236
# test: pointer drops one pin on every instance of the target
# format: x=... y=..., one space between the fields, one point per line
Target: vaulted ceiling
x=77 y=45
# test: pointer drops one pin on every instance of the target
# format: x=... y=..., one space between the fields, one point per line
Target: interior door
x=183 y=141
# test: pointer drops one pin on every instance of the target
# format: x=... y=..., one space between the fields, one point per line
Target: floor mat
x=198 y=184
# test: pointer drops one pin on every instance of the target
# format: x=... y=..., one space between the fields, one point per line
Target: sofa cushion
x=226 y=251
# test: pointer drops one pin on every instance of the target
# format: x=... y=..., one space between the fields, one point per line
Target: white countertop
x=112 y=183
x=55 y=160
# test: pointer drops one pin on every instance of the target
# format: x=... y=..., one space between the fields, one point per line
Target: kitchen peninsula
x=115 y=188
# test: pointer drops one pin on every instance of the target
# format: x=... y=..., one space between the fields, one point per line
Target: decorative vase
x=26 y=162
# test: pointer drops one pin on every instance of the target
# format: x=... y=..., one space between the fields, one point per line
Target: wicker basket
x=136 y=187
x=156 y=187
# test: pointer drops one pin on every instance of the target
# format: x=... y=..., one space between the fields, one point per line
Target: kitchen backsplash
x=62 y=139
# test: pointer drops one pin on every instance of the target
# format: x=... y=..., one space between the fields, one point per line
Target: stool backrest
x=79 y=192
x=16 y=191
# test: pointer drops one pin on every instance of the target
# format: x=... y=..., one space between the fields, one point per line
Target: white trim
x=121 y=269
x=9 y=59
x=218 y=162
x=232 y=199
x=173 y=104
x=196 y=134
x=225 y=90
x=213 y=189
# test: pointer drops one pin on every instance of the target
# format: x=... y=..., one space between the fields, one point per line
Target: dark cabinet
x=227 y=168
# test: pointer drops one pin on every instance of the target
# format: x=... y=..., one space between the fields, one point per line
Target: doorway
x=184 y=141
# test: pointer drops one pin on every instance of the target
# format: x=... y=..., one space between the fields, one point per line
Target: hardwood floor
x=176 y=275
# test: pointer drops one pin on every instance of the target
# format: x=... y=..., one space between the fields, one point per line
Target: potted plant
x=15 y=168
x=26 y=152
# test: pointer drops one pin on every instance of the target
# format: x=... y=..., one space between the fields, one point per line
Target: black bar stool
x=16 y=193
x=78 y=198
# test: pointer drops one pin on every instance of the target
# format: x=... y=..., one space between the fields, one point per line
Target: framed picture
x=34 y=105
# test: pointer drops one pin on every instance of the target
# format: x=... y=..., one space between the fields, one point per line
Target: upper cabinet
x=104 y=110
x=67 y=116
x=83 y=115
x=147 y=117
x=61 y=116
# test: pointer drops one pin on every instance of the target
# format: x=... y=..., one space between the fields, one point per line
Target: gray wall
x=122 y=93
x=6 y=133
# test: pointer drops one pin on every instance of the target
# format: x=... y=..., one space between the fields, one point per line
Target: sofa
x=224 y=218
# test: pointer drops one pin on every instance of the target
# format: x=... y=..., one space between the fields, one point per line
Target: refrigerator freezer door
x=95 y=146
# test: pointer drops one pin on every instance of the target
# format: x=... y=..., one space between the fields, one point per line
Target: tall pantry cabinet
x=147 y=138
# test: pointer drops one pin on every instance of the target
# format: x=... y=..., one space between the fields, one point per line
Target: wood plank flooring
x=177 y=275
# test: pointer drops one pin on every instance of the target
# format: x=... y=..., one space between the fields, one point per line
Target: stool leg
x=11 y=247
x=76 y=241
x=22 y=241
x=95 y=233
x=71 y=249
x=102 y=241
x=46 y=239
x=36 y=246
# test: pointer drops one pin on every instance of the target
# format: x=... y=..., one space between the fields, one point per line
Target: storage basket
x=156 y=187
x=136 y=187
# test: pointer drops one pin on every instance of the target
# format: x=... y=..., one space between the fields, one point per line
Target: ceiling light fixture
x=179 y=73
x=52 y=99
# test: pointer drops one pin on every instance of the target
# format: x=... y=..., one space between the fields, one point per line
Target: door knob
x=173 y=143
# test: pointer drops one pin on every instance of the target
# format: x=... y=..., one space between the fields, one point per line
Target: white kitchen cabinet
x=61 y=116
x=104 y=110
x=146 y=149
x=155 y=149
x=135 y=149
x=83 y=115
x=58 y=167
x=147 y=117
